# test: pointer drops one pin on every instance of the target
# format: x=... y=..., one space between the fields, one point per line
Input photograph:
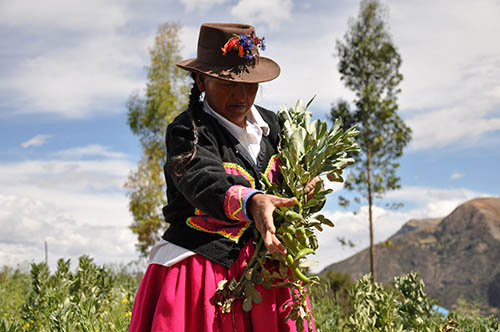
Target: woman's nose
x=241 y=90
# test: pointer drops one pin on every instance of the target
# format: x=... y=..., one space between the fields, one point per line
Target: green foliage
x=466 y=308
x=95 y=298
x=461 y=323
x=369 y=66
x=414 y=307
x=91 y=299
x=374 y=307
x=330 y=301
x=147 y=191
x=14 y=286
x=148 y=117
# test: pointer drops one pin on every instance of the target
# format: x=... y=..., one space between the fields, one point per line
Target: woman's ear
x=200 y=82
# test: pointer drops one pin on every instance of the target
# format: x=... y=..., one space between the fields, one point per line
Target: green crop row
x=91 y=299
x=96 y=299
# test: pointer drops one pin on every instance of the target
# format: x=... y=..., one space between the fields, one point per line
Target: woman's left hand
x=261 y=207
x=311 y=185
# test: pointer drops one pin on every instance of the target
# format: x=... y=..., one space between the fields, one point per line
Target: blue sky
x=67 y=69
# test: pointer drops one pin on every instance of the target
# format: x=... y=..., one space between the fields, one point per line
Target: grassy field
x=96 y=299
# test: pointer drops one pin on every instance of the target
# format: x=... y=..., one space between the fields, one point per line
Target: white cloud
x=451 y=70
x=270 y=12
x=189 y=38
x=450 y=94
x=61 y=176
x=191 y=5
x=38 y=140
x=457 y=124
x=447 y=55
x=451 y=87
x=77 y=206
x=86 y=63
x=64 y=14
x=92 y=76
x=308 y=67
x=28 y=223
x=89 y=150
x=425 y=202
x=457 y=175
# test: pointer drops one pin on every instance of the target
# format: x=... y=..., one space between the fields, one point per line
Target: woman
x=216 y=152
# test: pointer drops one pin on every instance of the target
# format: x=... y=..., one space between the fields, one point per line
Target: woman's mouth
x=238 y=106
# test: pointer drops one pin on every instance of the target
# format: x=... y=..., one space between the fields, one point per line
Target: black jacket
x=206 y=205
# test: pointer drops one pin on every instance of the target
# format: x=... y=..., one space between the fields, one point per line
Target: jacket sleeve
x=206 y=184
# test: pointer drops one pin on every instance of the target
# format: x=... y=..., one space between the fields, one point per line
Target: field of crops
x=96 y=299
x=92 y=298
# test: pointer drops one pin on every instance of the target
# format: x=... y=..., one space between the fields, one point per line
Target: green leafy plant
x=307 y=149
x=334 y=301
x=90 y=299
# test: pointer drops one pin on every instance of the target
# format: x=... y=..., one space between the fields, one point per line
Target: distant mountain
x=457 y=256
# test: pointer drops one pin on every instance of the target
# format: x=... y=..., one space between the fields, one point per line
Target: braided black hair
x=182 y=161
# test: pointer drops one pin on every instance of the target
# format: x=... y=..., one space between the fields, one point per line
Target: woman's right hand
x=261 y=208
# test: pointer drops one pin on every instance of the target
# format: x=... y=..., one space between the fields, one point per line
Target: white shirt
x=168 y=254
x=251 y=136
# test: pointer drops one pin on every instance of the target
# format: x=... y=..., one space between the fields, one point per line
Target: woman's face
x=232 y=100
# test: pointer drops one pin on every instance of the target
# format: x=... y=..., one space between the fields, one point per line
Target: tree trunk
x=370 y=216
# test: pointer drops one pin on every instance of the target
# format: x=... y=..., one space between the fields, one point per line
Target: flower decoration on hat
x=247 y=46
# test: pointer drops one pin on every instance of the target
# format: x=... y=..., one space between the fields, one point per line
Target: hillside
x=458 y=255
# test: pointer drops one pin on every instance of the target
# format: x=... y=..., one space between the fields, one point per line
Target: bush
x=91 y=299
x=378 y=308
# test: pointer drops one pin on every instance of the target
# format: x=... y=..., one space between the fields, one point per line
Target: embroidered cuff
x=235 y=202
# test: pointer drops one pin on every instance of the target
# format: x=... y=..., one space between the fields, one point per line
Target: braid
x=182 y=161
x=194 y=96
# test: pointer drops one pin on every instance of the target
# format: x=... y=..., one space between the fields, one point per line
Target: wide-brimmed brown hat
x=231 y=52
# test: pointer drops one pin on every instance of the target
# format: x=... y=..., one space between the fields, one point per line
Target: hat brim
x=264 y=70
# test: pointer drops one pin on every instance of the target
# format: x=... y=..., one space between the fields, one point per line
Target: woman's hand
x=261 y=207
x=311 y=185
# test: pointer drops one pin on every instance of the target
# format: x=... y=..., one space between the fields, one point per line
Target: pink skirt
x=178 y=298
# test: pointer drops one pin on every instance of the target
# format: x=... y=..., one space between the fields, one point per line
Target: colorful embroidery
x=234 y=207
x=234 y=192
x=205 y=223
x=235 y=169
x=235 y=202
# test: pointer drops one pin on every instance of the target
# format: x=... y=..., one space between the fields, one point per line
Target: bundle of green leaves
x=308 y=149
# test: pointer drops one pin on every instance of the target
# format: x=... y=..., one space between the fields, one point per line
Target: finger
x=278 y=245
x=268 y=241
x=271 y=229
x=311 y=185
x=284 y=202
x=273 y=244
x=265 y=225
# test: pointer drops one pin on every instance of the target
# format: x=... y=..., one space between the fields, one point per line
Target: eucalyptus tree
x=148 y=116
x=369 y=65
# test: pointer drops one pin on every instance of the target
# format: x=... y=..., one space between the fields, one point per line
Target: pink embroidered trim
x=234 y=207
x=235 y=169
x=205 y=223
